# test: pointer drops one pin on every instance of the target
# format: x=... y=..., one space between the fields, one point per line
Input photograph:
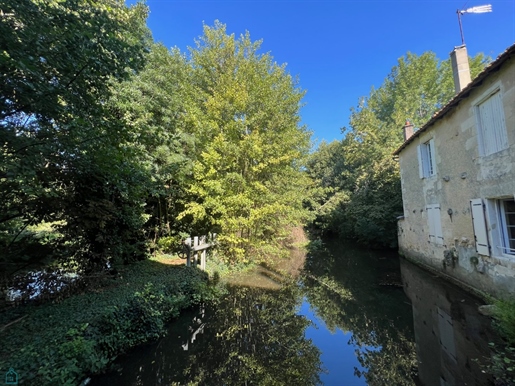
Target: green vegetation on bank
x=115 y=148
x=503 y=361
x=62 y=343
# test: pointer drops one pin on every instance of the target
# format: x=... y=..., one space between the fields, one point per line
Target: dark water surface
x=345 y=320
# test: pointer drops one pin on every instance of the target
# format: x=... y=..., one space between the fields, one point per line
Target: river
x=351 y=317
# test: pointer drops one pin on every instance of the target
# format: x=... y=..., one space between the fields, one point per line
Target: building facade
x=458 y=181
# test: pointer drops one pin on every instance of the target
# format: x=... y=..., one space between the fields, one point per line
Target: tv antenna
x=479 y=9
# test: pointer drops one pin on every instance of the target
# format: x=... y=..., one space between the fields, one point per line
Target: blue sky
x=339 y=49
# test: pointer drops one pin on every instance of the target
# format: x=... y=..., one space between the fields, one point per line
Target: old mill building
x=458 y=180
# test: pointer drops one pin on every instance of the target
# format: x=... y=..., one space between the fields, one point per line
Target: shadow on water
x=345 y=320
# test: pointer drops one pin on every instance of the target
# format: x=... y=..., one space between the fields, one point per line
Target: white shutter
x=480 y=233
x=485 y=115
x=492 y=124
x=501 y=138
x=437 y=220
x=420 y=164
x=435 y=224
x=433 y=159
x=431 y=222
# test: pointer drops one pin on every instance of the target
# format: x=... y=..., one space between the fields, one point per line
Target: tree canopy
x=360 y=178
x=113 y=145
x=247 y=178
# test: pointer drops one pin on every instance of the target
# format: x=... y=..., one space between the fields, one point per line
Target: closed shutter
x=420 y=162
x=432 y=166
x=493 y=127
x=435 y=224
x=501 y=136
x=480 y=232
x=431 y=223
x=438 y=225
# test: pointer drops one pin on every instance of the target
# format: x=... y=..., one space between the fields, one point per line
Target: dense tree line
x=113 y=145
x=358 y=183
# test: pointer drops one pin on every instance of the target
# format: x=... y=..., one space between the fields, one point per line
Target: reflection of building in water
x=449 y=332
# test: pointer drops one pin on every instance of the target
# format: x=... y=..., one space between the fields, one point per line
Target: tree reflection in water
x=342 y=285
x=256 y=338
x=253 y=336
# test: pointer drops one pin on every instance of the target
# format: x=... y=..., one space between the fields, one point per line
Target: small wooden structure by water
x=196 y=248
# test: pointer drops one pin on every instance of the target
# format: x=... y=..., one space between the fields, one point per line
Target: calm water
x=346 y=320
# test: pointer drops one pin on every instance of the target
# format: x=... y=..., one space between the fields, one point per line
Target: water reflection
x=254 y=337
x=451 y=336
x=346 y=320
x=359 y=291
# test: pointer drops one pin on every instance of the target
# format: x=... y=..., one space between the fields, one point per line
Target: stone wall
x=461 y=175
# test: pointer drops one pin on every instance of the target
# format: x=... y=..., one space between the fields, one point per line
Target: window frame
x=427 y=159
x=495 y=227
x=503 y=227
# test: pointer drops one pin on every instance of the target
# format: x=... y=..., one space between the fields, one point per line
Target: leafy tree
x=247 y=176
x=156 y=103
x=366 y=195
x=62 y=156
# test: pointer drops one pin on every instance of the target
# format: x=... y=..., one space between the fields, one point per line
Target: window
x=435 y=224
x=491 y=125
x=506 y=210
x=500 y=214
x=426 y=159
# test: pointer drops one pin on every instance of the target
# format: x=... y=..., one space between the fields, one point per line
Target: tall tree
x=156 y=103
x=247 y=178
x=61 y=155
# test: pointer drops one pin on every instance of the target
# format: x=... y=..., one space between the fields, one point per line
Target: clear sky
x=339 y=49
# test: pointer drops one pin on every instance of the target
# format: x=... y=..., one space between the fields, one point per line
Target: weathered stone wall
x=461 y=175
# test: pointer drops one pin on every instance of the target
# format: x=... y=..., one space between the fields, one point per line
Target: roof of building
x=478 y=80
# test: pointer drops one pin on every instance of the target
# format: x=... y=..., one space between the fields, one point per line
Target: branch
x=14 y=321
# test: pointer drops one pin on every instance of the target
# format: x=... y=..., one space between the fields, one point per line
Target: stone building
x=458 y=180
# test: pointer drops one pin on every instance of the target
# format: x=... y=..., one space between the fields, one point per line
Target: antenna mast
x=478 y=9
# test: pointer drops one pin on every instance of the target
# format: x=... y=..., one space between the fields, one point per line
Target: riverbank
x=62 y=343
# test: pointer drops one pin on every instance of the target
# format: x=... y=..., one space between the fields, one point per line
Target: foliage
x=63 y=156
x=247 y=179
x=156 y=103
x=259 y=340
x=361 y=195
x=503 y=360
x=61 y=343
x=340 y=293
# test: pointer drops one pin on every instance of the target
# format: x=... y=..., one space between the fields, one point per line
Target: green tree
x=156 y=103
x=248 y=182
x=368 y=183
x=62 y=156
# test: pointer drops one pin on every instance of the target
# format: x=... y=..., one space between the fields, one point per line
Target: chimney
x=408 y=130
x=460 y=67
